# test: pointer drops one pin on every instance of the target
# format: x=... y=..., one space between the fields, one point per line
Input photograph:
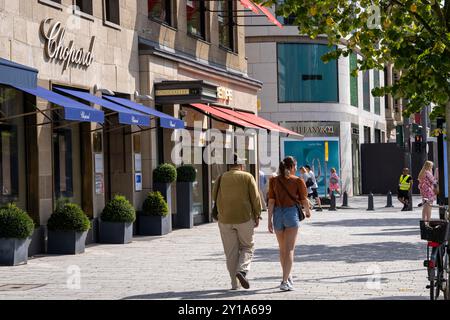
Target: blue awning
x=73 y=110
x=166 y=121
x=15 y=74
x=126 y=116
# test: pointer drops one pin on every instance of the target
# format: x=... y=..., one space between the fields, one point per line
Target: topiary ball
x=155 y=205
x=69 y=217
x=165 y=173
x=186 y=174
x=119 y=209
x=15 y=223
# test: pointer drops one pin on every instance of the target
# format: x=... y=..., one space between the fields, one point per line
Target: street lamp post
x=407 y=147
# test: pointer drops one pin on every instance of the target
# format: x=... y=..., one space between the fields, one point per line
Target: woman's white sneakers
x=287 y=286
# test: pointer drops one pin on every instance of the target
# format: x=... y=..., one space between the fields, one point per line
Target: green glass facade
x=303 y=76
x=353 y=81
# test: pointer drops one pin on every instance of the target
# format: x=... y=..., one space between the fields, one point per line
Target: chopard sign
x=56 y=49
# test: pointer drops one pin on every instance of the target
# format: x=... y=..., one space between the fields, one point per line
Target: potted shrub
x=67 y=230
x=154 y=219
x=163 y=176
x=186 y=175
x=116 y=221
x=16 y=228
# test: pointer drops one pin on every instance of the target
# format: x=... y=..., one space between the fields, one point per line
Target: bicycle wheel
x=432 y=277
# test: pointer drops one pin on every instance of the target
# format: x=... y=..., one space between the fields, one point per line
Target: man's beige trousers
x=238 y=245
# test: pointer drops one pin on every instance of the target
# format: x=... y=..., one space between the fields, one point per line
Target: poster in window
x=313 y=152
x=138 y=181
x=137 y=162
x=99 y=163
x=99 y=184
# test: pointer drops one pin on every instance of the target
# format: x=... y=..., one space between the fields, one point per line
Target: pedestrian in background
x=334 y=182
x=262 y=189
x=239 y=212
x=404 y=188
x=283 y=214
x=313 y=189
x=427 y=187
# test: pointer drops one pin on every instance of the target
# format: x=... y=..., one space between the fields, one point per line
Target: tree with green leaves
x=412 y=36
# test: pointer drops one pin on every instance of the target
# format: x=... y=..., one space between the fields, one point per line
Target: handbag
x=301 y=214
x=215 y=211
x=309 y=183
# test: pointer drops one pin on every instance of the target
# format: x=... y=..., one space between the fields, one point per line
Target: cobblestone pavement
x=348 y=254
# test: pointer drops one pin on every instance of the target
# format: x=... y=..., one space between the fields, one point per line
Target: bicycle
x=438 y=250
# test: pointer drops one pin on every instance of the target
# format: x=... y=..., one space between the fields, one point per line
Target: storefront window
x=226 y=24
x=62 y=142
x=160 y=10
x=303 y=76
x=12 y=148
x=195 y=14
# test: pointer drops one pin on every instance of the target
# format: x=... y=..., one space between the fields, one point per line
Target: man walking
x=404 y=187
x=239 y=208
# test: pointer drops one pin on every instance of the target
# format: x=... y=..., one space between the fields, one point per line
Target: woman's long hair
x=428 y=166
x=286 y=166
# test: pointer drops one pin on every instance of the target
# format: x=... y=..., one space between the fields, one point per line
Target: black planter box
x=185 y=218
x=166 y=191
x=14 y=252
x=154 y=225
x=37 y=245
x=66 y=242
x=116 y=232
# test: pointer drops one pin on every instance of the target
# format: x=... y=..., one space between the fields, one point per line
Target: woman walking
x=283 y=214
x=334 y=182
x=427 y=187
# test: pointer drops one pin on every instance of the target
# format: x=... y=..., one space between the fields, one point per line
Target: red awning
x=225 y=116
x=250 y=5
x=269 y=15
x=261 y=122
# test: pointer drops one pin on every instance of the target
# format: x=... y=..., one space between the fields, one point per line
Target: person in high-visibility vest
x=404 y=186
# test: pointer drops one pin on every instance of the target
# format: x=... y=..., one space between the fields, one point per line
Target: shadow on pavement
x=202 y=295
x=391 y=234
x=354 y=253
x=369 y=223
x=401 y=298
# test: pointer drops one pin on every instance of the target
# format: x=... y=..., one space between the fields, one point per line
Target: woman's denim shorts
x=285 y=218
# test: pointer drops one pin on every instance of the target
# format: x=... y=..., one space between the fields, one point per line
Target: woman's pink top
x=334 y=186
x=426 y=186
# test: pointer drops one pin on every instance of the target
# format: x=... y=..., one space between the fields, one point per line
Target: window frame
x=230 y=26
x=278 y=73
x=110 y=23
x=203 y=22
x=52 y=4
x=170 y=8
x=82 y=14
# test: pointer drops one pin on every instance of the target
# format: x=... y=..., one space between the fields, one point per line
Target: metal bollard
x=345 y=200
x=389 y=200
x=332 y=203
x=371 y=207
